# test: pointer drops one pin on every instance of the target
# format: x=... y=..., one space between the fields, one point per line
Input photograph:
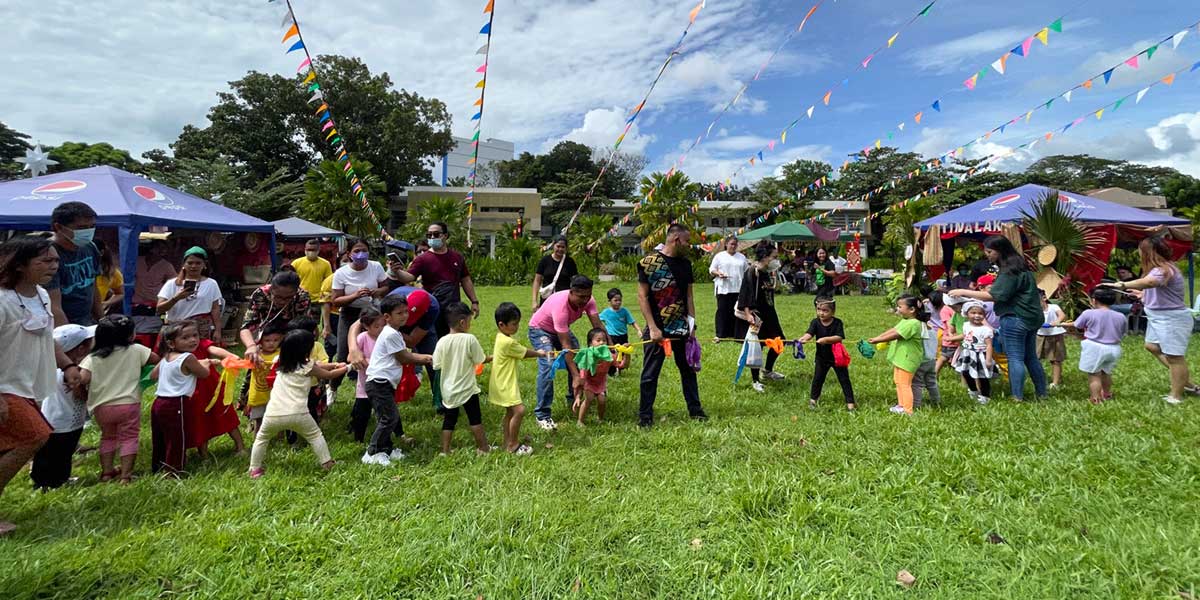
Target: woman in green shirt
x=1019 y=307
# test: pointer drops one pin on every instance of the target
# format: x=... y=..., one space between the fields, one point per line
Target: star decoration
x=36 y=161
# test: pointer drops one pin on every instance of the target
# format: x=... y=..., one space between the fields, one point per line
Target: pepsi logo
x=58 y=188
x=1065 y=199
x=1006 y=199
x=149 y=193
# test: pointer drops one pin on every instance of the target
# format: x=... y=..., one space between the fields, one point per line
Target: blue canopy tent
x=128 y=202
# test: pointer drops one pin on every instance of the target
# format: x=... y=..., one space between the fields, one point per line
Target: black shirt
x=670 y=279
x=547 y=267
x=818 y=331
x=758 y=290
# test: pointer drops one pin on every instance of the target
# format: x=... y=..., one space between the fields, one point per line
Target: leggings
x=474 y=415
x=360 y=417
x=770 y=364
x=820 y=370
x=904 y=394
x=983 y=387
x=302 y=423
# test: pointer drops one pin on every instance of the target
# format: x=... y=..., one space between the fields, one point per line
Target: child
x=1052 y=340
x=260 y=376
x=316 y=395
x=503 y=389
x=595 y=380
x=289 y=407
x=617 y=320
x=112 y=373
x=908 y=351
x=64 y=412
x=925 y=379
x=951 y=331
x=383 y=375
x=176 y=375
x=455 y=358
x=827 y=330
x=975 y=358
x=1100 y=350
x=372 y=325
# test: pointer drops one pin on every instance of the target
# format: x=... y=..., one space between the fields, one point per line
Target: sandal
x=106 y=476
x=851 y=407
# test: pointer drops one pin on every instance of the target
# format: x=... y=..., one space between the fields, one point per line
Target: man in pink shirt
x=153 y=270
x=549 y=330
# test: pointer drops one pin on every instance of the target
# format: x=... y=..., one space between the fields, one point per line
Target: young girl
x=288 y=408
x=112 y=372
x=65 y=411
x=950 y=335
x=260 y=375
x=176 y=375
x=1100 y=349
x=456 y=356
x=372 y=323
x=975 y=357
x=827 y=330
x=594 y=372
x=908 y=350
x=1052 y=339
x=756 y=304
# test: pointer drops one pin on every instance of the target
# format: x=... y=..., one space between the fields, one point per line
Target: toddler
x=907 y=351
x=617 y=320
x=975 y=359
x=113 y=372
x=372 y=324
x=176 y=376
x=384 y=370
x=1052 y=340
x=262 y=375
x=593 y=362
x=827 y=330
x=503 y=389
x=455 y=358
x=65 y=412
x=1100 y=349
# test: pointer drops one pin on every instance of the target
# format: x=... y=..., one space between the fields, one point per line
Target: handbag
x=841 y=358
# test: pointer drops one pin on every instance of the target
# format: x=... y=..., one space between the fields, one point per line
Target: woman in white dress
x=727 y=268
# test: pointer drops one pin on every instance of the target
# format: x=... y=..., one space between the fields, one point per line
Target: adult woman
x=193 y=296
x=27 y=364
x=1018 y=305
x=823 y=273
x=1168 y=318
x=110 y=283
x=756 y=304
x=281 y=300
x=727 y=268
x=553 y=273
x=354 y=285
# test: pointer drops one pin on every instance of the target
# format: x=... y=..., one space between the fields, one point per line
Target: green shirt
x=908 y=352
x=1017 y=296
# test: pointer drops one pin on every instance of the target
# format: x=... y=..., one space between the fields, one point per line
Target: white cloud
x=950 y=56
x=600 y=130
x=706 y=166
x=1164 y=61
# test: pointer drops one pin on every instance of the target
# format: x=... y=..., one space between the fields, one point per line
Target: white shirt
x=172 y=381
x=383 y=364
x=63 y=411
x=199 y=303
x=372 y=276
x=1051 y=314
x=733 y=266
x=289 y=396
x=27 y=363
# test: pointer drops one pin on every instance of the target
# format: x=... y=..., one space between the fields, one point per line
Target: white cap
x=68 y=337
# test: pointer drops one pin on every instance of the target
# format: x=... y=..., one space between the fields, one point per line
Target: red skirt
x=201 y=425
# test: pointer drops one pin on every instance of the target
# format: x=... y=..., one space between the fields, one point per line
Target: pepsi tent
x=1006 y=207
x=123 y=200
x=295 y=227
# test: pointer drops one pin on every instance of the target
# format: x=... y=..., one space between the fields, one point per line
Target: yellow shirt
x=325 y=296
x=105 y=283
x=503 y=389
x=456 y=356
x=312 y=273
x=260 y=391
x=318 y=355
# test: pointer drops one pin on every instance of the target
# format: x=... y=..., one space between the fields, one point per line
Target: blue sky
x=134 y=73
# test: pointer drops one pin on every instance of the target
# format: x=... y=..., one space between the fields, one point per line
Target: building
x=849 y=211
x=455 y=163
x=494 y=207
x=1156 y=204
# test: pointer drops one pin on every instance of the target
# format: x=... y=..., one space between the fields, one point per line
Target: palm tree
x=329 y=201
x=673 y=198
x=438 y=209
x=1050 y=223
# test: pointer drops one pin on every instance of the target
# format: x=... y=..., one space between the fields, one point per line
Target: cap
x=69 y=337
x=418 y=304
x=985 y=280
x=196 y=250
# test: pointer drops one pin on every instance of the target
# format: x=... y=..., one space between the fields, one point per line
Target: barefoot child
x=975 y=359
x=176 y=375
x=617 y=320
x=1100 y=350
x=593 y=362
x=289 y=406
x=827 y=330
x=112 y=372
x=261 y=376
x=383 y=375
x=455 y=357
x=503 y=389
x=65 y=411
x=907 y=351
x=1052 y=340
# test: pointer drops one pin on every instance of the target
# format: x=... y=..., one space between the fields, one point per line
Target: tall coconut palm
x=438 y=209
x=673 y=198
x=329 y=201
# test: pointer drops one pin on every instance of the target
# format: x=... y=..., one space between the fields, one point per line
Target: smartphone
x=393 y=256
x=189 y=285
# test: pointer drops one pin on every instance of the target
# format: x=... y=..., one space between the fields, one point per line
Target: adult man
x=550 y=330
x=442 y=271
x=153 y=270
x=665 y=297
x=312 y=270
x=281 y=300
x=73 y=297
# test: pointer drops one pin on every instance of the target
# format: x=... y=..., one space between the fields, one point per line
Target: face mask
x=359 y=257
x=311 y=254
x=84 y=237
x=773 y=265
x=435 y=244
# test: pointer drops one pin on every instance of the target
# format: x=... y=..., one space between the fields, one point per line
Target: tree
x=270 y=199
x=80 y=155
x=566 y=173
x=1081 y=172
x=977 y=186
x=787 y=188
x=589 y=240
x=1182 y=191
x=444 y=209
x=673 y=197
x=565 y=195
x=12 y=146
x=621 y=179
x=329 y=201
x=870 y=172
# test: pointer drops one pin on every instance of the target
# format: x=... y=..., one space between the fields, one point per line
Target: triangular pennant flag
x=477 y=116
x=490 y=6
x=917 y=117
x=314 y=86
x=878 y=144
x=482 y=49
x=293 y=30
x=478 y=102
x=695 y=12
x=1118 y=104
x=1132 y=61
x=480 y=84
x=328 y=124
x=1068 y=95
x=771 y=145
x=751 y=161
x=297 y=46
x=1026 y=45
x=1141 y=94
x=937 y=105
x=1099 y=114
x=760 y=157
x=482 y=68
x=892 y=40
x=827 y=96
x=810 y=110
x=1108 y=75
x=1177 y=38
x=1049 y=135
x=1169 y=79
x=867 y=61
x=487 y=29
x=1087 y=84
x=1195 y=66
x=925 y=11
x=1043 y=36
x=900 y=126
x=1150 y=51
x=322 y=108
x=304 y=65
x=325 y=117
x=332 y=132
x=287 y=18
x=311 y=76
x=783 y=138
x=1056 y=26
x=317 y=95
x=970 y=83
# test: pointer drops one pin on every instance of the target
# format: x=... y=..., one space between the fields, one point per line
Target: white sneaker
x=758 y=387
x=1172 y=400
x=330 y=396
x=396 y=454
x=523 y=450
x=773 y=376
x=983 y=400
x=547 y=424
x=378 y=458
x=898 y=410
x=972 y=395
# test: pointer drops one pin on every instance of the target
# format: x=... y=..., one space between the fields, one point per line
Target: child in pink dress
x=593 y=362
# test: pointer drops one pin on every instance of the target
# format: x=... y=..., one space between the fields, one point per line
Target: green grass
x=766 y=500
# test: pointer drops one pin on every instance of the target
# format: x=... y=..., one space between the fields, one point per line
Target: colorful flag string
x=485 y=50
x=324 y=112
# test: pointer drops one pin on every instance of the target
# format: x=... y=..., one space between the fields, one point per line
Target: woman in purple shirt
x=1169 y=321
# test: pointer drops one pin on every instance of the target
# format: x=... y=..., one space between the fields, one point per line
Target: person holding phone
x=193 y=296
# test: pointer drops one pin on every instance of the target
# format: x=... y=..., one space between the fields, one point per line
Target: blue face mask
x=84 y=237
x=436 y=244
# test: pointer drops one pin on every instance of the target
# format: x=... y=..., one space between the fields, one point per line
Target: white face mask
x=774 y=265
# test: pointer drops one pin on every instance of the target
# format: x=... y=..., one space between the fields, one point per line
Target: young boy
x=1052 y=340
x=503 y=389
x=617 y=320
x=827 y=330
x=1100 y=350
x=951 y=337
x=65 y=412
x=455 y=358
x=261 y=376
x=925 y=378
x=383 y=375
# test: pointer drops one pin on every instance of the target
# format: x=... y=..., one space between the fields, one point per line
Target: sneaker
x=897 y=410
x=773 y=376
x=523 y=450
x=379 y=458
x=758 y=387
x=396 y=454
x=982 y=400
x=700 y=416
x=256 y=473
x=1172 y=400
x=547 y=424
x=1052 y=387
x=972 y=395
x=645 y=423
x=330 y=396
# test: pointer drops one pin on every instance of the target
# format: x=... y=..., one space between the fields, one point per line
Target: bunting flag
x=477 y=118
x=324 y=114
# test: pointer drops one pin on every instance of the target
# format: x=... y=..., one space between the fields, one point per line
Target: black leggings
x=474 y=415
x=984 y=387
x=820 y=370
x=770 y=363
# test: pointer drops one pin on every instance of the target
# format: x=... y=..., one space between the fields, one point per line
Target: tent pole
x=1191 y=275
x=128 y=246
x=274 y=255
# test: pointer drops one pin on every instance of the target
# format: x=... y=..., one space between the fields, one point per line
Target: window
x=715 y=222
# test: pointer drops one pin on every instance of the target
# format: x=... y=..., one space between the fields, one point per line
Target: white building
x=455 y=163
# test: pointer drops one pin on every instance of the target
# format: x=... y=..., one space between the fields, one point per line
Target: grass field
x=766 y=500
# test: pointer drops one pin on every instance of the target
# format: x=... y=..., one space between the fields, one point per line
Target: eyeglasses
x=433 y=235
